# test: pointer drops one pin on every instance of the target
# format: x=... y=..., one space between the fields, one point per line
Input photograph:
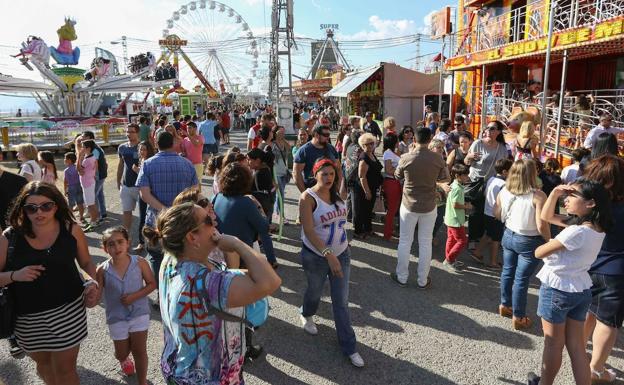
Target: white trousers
x=425 y=222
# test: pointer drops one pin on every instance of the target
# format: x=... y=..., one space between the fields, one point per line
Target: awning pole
x=543 y=128
x=440 y=86
x=564 y=74
x=483 y=102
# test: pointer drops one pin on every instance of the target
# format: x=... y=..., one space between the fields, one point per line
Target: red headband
x=320 y=164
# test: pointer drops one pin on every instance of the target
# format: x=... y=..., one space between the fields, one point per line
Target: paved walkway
x=450 y=334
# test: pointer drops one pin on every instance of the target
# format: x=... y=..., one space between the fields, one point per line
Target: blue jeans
x=156 y=256
x=281 y=184
x=519 y=264
x=316 y=270
x=99 y=197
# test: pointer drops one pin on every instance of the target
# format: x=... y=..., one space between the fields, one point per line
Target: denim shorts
x=608 y=299
x=210 y=148
x=555 y=305
x=74 y=195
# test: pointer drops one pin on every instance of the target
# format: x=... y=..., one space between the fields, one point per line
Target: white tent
x=403 y=90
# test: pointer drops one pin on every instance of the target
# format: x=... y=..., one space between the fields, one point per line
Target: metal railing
x=57 y=136
x=574 y=124
x=531 y=22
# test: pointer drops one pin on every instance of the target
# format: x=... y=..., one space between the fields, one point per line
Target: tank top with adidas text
x=329 y=224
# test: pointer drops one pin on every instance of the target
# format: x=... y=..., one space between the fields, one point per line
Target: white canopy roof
x=351 y=82
x=18 y=85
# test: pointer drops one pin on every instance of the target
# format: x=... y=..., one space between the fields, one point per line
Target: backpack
x=255 y=313
x=352 y=164
x=102 y=164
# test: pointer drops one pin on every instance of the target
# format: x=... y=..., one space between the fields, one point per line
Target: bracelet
x=90 y=282
x=326 y=251
x=11 y=276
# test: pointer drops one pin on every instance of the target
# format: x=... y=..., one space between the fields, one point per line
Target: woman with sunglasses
x=406 y=138
x=50 y=294
x=482 y=155
x=325 y=253
x=199 y=346
x=365 y=189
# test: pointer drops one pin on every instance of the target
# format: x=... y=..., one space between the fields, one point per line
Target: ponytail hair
x=171 y=228
x=601 y=215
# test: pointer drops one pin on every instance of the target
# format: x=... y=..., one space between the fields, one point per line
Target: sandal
x=475 y=257
x=607 y=376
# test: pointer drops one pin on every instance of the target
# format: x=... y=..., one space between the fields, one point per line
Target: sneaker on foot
x=395 y=278
x=356 y=360
x=127 y=367
x=308 y=325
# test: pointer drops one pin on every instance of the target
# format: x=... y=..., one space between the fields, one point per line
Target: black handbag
x=475 y=190
x=7 y=296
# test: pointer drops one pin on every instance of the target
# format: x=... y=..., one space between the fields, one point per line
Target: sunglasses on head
x=32 y=208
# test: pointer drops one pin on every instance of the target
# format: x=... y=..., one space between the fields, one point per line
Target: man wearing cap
x=372 y=127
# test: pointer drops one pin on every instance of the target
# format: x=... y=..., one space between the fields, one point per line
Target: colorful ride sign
x=568 y=39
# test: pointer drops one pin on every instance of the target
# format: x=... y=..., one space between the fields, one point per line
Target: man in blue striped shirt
x=161 y=178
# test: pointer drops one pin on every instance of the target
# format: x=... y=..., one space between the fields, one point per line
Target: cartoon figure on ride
x=100 y=68
x=64 y=54
x=34 y=49
x=516 y=119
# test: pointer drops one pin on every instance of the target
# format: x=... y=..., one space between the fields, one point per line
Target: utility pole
x=282 y=24
x=417 y=61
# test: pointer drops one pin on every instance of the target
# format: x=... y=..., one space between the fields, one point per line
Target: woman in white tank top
x=325 y=252
x=518 y=206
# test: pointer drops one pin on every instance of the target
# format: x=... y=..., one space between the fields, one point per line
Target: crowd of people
x=487 y=193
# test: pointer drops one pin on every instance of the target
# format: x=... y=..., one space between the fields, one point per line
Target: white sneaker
x=356 y=360
x=308 y=325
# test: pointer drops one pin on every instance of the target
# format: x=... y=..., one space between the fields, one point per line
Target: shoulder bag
x=475 y=190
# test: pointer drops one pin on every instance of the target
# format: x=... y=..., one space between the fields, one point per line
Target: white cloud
x=383 y=29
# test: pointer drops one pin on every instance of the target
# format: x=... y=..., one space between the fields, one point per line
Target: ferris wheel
x=219 y=43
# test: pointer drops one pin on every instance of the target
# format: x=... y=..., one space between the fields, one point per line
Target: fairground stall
x=502 y=58
x=386 y=90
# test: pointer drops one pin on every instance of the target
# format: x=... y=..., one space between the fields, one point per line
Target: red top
x=225 y=120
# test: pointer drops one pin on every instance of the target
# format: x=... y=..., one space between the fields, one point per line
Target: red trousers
x=392 y=194
x=456 y=240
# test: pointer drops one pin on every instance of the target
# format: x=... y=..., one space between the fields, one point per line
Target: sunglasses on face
x=32 y=208
x=457 y=124
x=206 y=221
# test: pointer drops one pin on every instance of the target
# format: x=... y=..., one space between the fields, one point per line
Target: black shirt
x=373 y=128
x=10 y=186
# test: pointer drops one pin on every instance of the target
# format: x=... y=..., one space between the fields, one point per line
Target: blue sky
x=100 y=23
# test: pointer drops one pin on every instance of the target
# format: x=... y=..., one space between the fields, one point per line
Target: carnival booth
x=386 y=90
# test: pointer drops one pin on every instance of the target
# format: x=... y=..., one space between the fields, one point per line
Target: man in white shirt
x=604 y=126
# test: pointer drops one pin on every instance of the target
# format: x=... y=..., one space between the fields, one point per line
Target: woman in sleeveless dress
x=326 y=252
x=526 y=144
x=49 y=290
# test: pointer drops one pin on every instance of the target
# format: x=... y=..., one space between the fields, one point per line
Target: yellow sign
x=172 y=42
x=560 y=40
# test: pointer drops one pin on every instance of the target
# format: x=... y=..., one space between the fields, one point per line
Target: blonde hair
x=435 y=143
x=365 y=138
x=28 y=150
x=522 y=177
x=527 y=130
x=389 y=122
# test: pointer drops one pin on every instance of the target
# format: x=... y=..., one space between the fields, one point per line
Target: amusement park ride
x=228 y=58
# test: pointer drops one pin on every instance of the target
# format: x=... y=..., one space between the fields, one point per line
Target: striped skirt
x=52 y=330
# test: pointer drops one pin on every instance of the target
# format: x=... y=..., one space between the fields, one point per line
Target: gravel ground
x=449 y=334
